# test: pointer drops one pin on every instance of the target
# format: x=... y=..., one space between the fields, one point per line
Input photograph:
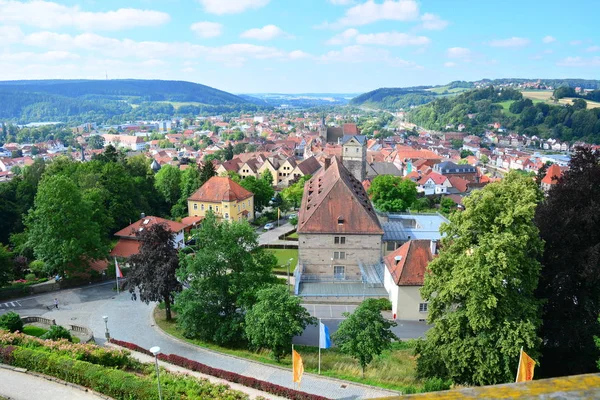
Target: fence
x=39 y=320
x=89 y=334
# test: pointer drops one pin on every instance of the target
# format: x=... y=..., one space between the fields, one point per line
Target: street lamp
x=288 y=270
x=155 y=350
x=106 y=332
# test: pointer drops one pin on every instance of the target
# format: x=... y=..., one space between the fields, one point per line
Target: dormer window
x=340 y=220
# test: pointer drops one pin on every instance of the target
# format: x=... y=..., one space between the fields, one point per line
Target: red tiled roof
x=552 y=175
x=438 y=179
x=98 y=265
x=126 y=248
x=414 y=255
x=458 y=183
x=220 y=188
x=331 y=195
x=191 y=221
x=350 y=129
x=147 y=222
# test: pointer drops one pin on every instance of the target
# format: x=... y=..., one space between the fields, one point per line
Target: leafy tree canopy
x=392 y=194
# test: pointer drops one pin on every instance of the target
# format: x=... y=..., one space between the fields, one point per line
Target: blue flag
x=324 y=338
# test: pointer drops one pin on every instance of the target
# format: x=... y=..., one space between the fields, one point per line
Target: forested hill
x=112 y=101
x=142 y=90
x=478 y=108
x=394 y=98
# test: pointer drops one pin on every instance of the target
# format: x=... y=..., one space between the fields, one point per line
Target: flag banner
x=324 y=338
x=297 y=366
x=526 y=366
x=118 y=270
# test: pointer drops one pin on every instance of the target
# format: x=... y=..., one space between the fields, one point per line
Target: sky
x=299 y=46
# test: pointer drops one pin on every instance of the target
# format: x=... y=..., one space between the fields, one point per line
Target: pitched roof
x=552 y=175
x=334 y=195
x=458 y=183
x=438 y=179
x=309 y=166
x=350 y=129
x=409 y=269
x=126 y=248
x=147 y=222
x=361 y=139
x=220 y=188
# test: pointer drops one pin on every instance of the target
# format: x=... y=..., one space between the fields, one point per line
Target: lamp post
x=288 y=270
x=155 y=350
x=106 y=332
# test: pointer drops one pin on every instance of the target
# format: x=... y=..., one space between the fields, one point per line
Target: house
x=339 y=234
x=135 y=143
x=224 y=197
x=434 y=183
x=551 y=178
x=129 y=243
x=448 y=168
x=404 y=274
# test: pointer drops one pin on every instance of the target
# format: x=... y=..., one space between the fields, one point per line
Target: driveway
x=272 y=236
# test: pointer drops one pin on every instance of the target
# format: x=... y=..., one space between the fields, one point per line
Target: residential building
x=401 y=228
x=553 y=174
x=448 y=168
x=404 y=275
x=135 y=143
x=227 y=199
x=330 y=134
x=433 y=184
x=129 y=243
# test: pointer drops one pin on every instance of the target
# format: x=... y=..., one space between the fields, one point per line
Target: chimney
x=397 y=259
x=327 y=163
x=143 y=215
x=433 y=247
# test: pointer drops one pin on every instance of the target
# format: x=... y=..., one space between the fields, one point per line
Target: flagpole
x=519 y=367
x=319 y=346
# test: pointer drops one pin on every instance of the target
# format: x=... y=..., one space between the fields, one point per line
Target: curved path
x=132 y=321
x=21 y=386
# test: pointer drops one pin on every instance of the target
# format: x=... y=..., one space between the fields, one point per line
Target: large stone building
x=224 y=197
x=354 y=155
x=340 y=237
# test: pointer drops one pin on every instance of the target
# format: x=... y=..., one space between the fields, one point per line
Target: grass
x=34 y=330
x=394 y=369
x=283 y=255
x=177 y=104
x=293 y=235
x=545 y=95
x=442 y=89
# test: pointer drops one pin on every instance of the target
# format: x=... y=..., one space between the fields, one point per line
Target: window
x=340 y=220
x=339 y=271
x=226 y=215
x=217 y=208
x=210 y=208
x=357 y=149
x=202 y=207
x=423 y=307
x=195 y=206
x=339 y=255
x=390 y=246
x=339 y=240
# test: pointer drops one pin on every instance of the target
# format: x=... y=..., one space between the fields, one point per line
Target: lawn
x=293 y=235
x=545 y=95
x=394 y=369
x=34 y=330
x=283 y=255
x=177 y=104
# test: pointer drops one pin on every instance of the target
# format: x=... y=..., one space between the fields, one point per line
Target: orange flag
x=526 y=366
x=297 y=366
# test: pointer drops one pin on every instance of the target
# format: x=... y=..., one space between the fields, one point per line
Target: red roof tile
x=147 y=222
x=552 y=175
x=126 y=248
x=220 y=188
x=409 y=270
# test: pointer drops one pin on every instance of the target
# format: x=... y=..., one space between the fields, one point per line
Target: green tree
x=190 y=182
x=392 y=194
x=480 y=287
x=207 y=172
x=153 y=269
x=293 y=194
x=11 y=321
x=365 y=334
x=168 y=184
x=57 y=332
x=5 y=265
x=447 y=205
x=262 y=189
x=60 y=226
x=275 y=319
x=96 y=142
x=228 y=152
x=224 y=270
x=570 y=279
x=294 y=220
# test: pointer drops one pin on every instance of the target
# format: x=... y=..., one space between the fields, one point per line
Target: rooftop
x=404 y=227
x=220 y=188
x=146 y=222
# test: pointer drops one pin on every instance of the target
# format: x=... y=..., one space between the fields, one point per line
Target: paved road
x=20 y=386
x=272 y=236
x=132 y=322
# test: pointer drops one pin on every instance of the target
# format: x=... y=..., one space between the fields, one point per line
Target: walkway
x=272 y=236
x=22 y=386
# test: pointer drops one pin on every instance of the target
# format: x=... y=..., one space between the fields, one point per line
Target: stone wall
x=315 y=251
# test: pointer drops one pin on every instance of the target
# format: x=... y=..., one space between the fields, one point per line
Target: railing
x=82 y=329
x=297 y=278
x=331 y=278
x=39 y=320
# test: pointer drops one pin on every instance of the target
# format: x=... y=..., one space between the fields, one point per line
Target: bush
x=30 y=277
x=436 y=384
x=384 y=304
x=260 y=221
x=11 y=321
x=39 y=268
x=57 y=332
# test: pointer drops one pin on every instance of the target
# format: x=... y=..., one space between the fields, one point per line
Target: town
x=245 y=199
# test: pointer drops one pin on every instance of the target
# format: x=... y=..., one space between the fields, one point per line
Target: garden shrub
x=30 y=277
x=436 y=384
x=11 y=321
x=57 y=332
x=39 y=268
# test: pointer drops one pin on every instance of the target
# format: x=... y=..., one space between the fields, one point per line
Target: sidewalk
x=23 y=386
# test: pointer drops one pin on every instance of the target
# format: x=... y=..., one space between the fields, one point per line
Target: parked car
x=269 y=226
x=292 y=215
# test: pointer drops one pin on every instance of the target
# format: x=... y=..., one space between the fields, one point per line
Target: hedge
x=226 y=375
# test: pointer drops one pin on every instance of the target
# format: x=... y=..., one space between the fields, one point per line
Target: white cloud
x=344 y=37
x=369 y=12
x=48 y=15
x=575 y=42
x=392 y=39
x=298 y=54
x=592 y=49
x=341 y=2
x=359 y=54
x=579 y=62
x=549 y=39
x=10 y=34
x=510 y=42
x=221 y=7
x=449 y=64
x=207 y=29
x=433 y=22
x=267 y=32
x=458 y=52
x=49 y=56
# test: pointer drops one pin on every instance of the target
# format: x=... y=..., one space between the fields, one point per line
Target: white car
x=269 y=226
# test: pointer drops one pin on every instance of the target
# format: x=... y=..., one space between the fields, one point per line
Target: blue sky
x=299 y=46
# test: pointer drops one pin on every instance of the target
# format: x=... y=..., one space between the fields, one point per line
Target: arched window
x=340 y=220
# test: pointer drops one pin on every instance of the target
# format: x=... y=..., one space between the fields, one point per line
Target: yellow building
x=224 y=197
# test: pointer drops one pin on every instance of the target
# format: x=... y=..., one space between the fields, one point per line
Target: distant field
x=545 y=95
x=442 y=89
x=178 y=104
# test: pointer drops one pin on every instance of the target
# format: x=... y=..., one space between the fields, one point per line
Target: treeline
x=567 y=91
x=478 y=108
x=395 y=98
